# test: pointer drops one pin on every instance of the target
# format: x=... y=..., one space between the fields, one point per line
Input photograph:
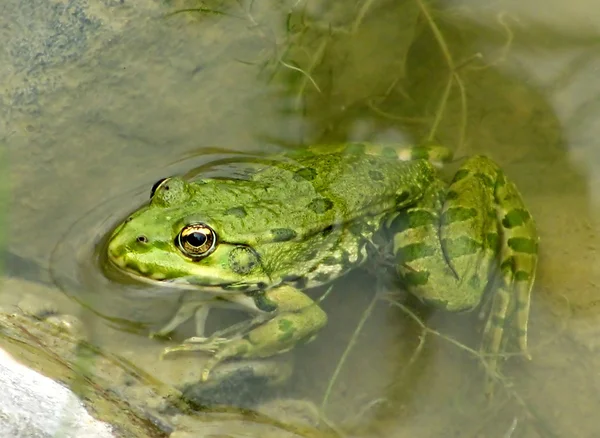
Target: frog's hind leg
x=518 y=262
x=452 y=247
x=514 y=245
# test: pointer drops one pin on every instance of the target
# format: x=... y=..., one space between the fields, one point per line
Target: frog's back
x=358 y=179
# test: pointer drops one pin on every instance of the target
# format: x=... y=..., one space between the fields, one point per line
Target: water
x=103 y=99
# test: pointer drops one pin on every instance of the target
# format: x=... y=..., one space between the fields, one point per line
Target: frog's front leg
x=198 y=309
x=197 y=305
x=296 y=318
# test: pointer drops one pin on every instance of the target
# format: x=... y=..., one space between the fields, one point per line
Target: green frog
x=308 y=217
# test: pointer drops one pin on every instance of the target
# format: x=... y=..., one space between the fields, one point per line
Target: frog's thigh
x=468 y=231
x=442 y=249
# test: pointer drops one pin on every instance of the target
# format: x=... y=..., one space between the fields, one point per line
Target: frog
x=306 y=218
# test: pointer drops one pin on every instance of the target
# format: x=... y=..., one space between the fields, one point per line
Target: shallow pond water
x=101 y=99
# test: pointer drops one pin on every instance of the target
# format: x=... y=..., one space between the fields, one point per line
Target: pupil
x=196 y=239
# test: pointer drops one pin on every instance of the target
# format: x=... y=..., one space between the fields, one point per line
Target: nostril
x=142 y=239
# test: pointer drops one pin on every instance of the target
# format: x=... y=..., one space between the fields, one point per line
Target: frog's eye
x=157 y=185
x=196 y=240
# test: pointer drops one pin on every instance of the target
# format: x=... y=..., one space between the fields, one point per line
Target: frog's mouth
x=134 y=271
x=188 y=282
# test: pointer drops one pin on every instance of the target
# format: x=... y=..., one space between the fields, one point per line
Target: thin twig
x=347 y=351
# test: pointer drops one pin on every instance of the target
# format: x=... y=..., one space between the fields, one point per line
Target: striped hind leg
x=518 y=262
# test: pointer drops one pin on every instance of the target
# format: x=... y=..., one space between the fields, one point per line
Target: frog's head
x=167 y=241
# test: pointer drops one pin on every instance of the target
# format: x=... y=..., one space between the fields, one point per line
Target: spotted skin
x=309 y=217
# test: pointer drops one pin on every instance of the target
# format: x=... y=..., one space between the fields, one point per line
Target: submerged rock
x=32 y=405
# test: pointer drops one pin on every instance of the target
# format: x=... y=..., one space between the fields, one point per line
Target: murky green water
x=103 y=98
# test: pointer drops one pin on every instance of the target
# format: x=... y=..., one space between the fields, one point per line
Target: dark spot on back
x=486 y=179
x=306 y=173
x=376 y=175
x=236 y=211
x=283 y=234
x=320 y=205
